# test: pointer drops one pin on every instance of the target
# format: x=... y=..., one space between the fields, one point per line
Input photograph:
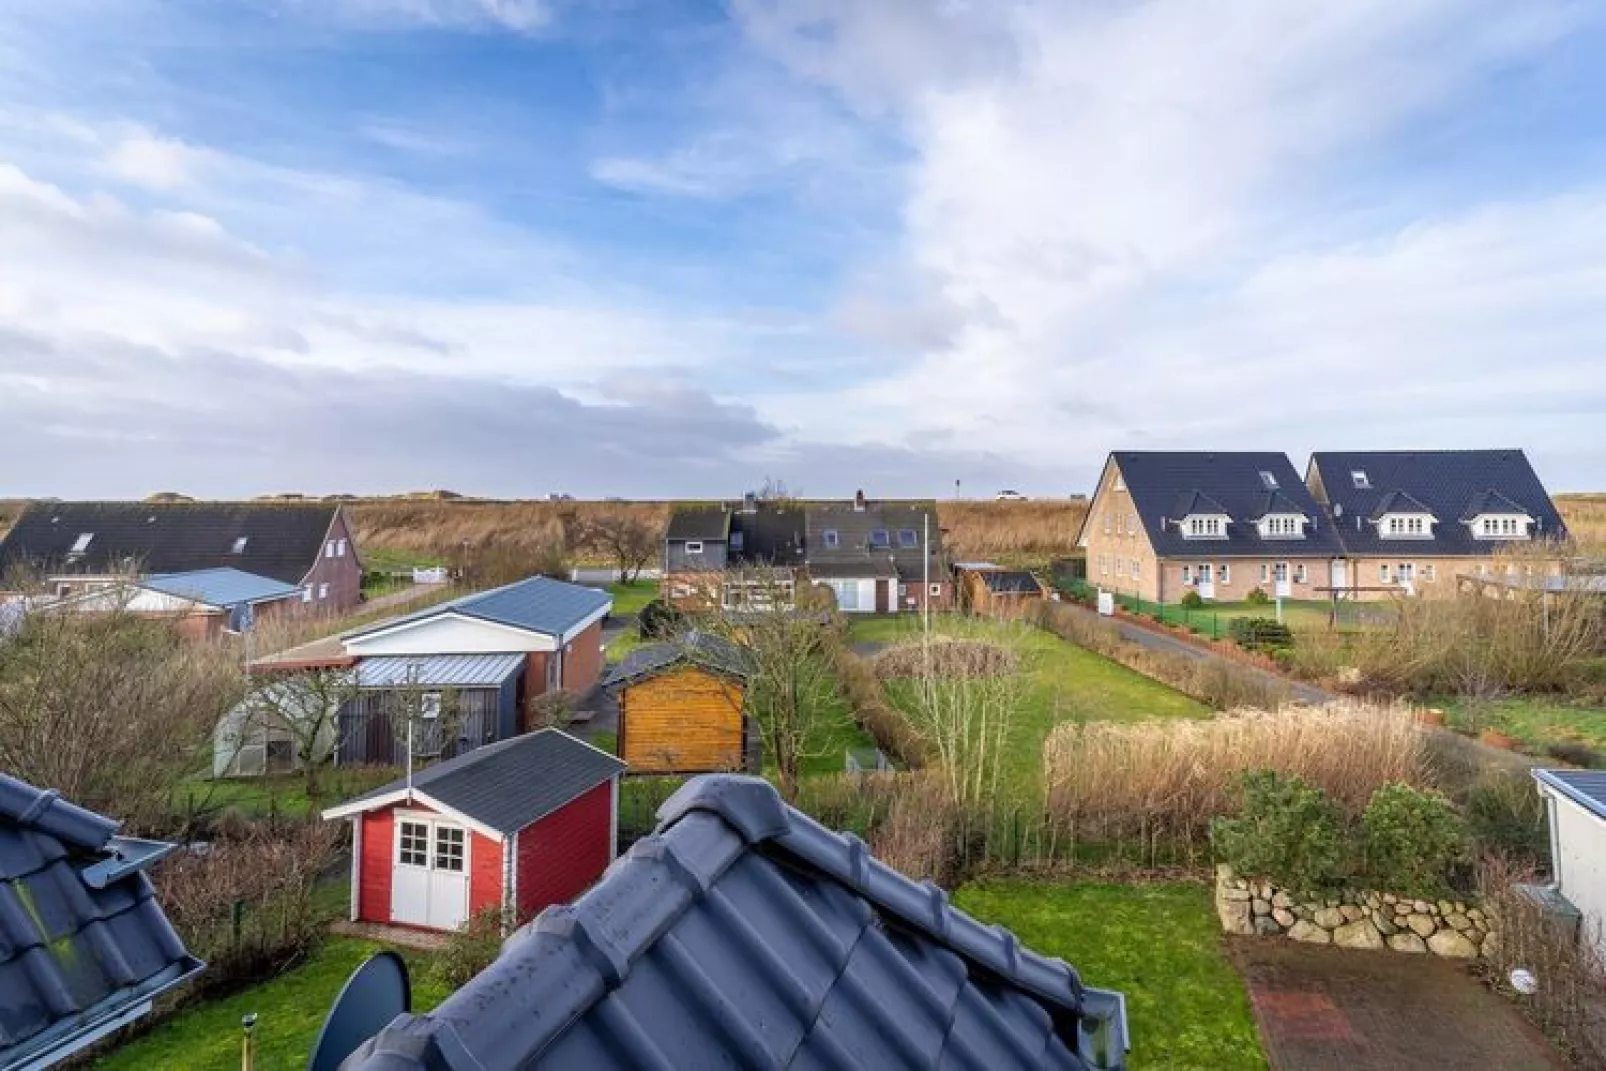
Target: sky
x=673 y=248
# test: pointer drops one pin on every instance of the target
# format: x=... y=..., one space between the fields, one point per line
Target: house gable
x=449 y=634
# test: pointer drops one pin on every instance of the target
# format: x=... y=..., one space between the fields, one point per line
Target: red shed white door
x=429 y=883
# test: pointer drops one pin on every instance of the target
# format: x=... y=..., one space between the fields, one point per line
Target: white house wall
x=1580 y=844
x=449 y=634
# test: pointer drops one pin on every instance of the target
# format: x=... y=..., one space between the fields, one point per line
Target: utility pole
x=925 y=574
x=412 y=685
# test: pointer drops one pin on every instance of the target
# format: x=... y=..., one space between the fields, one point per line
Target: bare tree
x=792 y=691
x=303 y=708
x=963 y=703
x=630 y=541
x=112 y=709
x=424 y=720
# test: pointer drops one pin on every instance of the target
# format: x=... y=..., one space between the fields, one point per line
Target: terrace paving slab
x=1325 y=1009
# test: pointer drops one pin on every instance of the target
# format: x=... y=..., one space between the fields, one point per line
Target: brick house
x=514 y=827
x=1410 y=521
x=876 y=556
x=80 y=546
x=1162 y=524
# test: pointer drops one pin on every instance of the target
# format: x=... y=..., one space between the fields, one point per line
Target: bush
x=1412 y=840
x=1257 y=597
x=1288 y=830
x=1261 y=634
x=470 y=950
x=949 y=660
x=1576 y=754
x=1504 y=814
x=659 y=621
x=1192 y=600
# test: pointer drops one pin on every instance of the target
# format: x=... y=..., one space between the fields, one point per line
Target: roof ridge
x=45 y=810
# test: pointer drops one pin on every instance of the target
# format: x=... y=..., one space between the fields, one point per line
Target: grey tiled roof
x=536 y=604
x=283 y=540
x=697 y=647
x=1587 y=788
x=744 y=934
x=222 y=587
x=705 y=523
x=1453 y=485
x=82 y=941
x=508 y=785
x=1010 y=582
x=855 y=530
x=1167 y=485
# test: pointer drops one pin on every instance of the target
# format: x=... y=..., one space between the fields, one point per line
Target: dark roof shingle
x=283 y=540
x=701 y=523
x=536 y=604
x=856 y=531
x=509 y=784
x=744 y=934
x=82 y=940
x=1453 y=485
x=697 y=648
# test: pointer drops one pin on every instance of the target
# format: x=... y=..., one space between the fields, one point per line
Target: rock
x=1260 y=907
x=1240 y=884
x=1372 y=901
x=1360 y=934
x=1446 y=907
x=1310 y=933
x=1302 y=912
x=1329 y=918
x=1235 y=894
x=1460 y=908
x=1390 y=898
x=1224 y=873
x=1282 y=899
x=1475 y=915
x=1352 y=913
x=1407 y=942
x=1235 y=916
x=1385 y=927
x=1402 y=909
x=1490 y=948
x=1332 y=901
x=1422 y=907
x=1458 y=921
x=1453 y=945
x=1285 y=918
x=1265 y=926
x=1421 y=925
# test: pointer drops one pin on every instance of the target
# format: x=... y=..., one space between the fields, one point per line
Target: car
x=1009 y=496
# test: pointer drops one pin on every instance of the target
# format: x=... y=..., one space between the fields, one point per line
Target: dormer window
x=832 y=539
x=880 y=539
x=1268 y=480
x=1406 y=526
x=1282 y=526
x=1501 y=526
x=1358 y=478
x=1204 y=526
x=908 y=538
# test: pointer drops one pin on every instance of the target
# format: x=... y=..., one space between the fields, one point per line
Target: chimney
x=858 y=501
x=750 y=502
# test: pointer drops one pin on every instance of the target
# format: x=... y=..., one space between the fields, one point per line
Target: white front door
x=1339 y=575
x=1207 y=581
x=1280 y=579
x=429 y=882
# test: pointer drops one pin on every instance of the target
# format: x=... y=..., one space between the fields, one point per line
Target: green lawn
x=1536 y=721
x=1068 y=683
x=290 y=1010
x=622 y=644
x=280 y=794
x=827 y=746
x=384 y=559
x=629 y=598
x=1159 y=944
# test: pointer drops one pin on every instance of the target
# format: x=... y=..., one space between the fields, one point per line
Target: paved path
x=1158 y=641
x=399 y=598
x=1327 y=1009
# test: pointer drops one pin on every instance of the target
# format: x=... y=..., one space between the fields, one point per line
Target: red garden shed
x=516 y=825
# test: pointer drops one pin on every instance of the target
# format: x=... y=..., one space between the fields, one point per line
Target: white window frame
x=1109 y=522
x=1406 y=526
x=408 y=841
x=1120 y=482
x=1223 y=573
x=1187 y=574
x=1136 y=569
x=1300 y=573
x=239 y=544
x=323 y=592
x=694 y=546
x=340 y=548
x=1383 y=573
x=1268 y=479
x=831 y=538
x=935 y=590
x=306 y=593
x=1205 y=526
x=912 y=543
x=1265 y=573
x=329 y=549
x=1430 y=572
x=884 y=542
x=1360 y=480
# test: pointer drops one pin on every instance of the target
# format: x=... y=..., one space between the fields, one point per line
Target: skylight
x=239 y=544
x=81 y=544
x=880 y=539
x=831 y=538
x=1358 y=476
x=908 y=538
x=1268 y=479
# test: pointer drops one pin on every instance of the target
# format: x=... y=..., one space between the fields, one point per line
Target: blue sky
x=517 y=246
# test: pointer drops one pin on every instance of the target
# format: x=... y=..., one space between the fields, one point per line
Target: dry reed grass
x=1165 y=781
x=442 y=528
x=1586 y=520
x=1015 y=531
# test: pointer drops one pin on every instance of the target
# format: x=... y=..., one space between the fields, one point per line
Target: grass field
x=1537 y=721
x=284 y=794
x=1067 y=683
x=1159 y=944
x=630 y=597
x=290 y=1010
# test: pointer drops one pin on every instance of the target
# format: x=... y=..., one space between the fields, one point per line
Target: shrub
x=1261 y=634
x=1288 y=830
x=1504 y=814
x=658 y=620
x=948 y=659
x=1192 y=600
x=1257 y=597
x=470 y=950
x=891 y=729
x=1412 y=839
x=1570 y=751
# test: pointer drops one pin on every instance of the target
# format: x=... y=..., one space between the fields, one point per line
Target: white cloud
x=519 y=16
x=154 y=163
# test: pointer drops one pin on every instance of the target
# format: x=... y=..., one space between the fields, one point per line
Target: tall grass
x=1160 y=784
x=1586 y=520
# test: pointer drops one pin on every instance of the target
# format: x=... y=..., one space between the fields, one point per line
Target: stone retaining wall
x=1354 y=920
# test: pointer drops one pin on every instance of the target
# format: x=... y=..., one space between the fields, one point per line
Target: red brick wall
x=582 y=661
x=917 y=591
x=376 y=861
x=485 y=873
x=563 y=853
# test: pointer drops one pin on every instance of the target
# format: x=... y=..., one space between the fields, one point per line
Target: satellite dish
x=376 y=993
